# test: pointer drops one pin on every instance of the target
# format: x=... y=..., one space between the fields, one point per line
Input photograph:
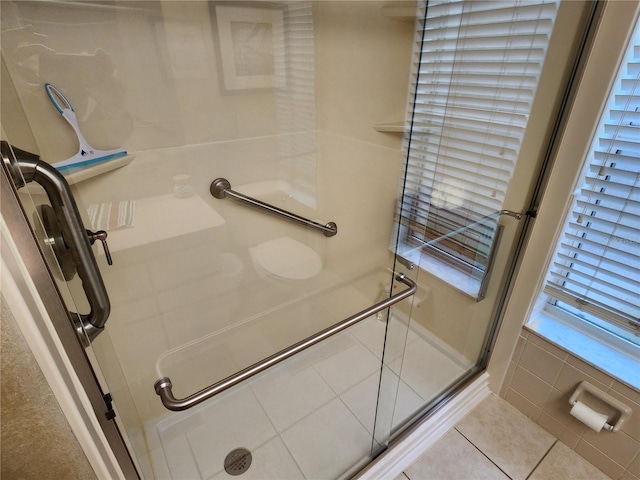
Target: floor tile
x=371 y=333
x=328 y=442
x=562 y=462
x=321 y=436
x=324 y=350
x=269 y=461
x=179 y=458
x=236 y=420
x=362 y=401
x=453 y=458
x=362 y=398
x=506 y=436
x=289 y=396
x=426 y=370
x=348 y=368
x=379 y=337
x=407 y=403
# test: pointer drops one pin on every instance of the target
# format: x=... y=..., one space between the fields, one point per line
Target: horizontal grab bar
x=221 y=188
x=163 y=385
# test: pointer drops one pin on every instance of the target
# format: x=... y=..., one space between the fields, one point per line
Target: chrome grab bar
x=163 y=385
x=27 y=167
x=221 y=188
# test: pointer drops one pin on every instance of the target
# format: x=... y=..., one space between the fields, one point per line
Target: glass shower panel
x=477 y=124
x=277 y=99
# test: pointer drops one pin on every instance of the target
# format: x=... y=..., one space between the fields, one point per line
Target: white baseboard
x=399 y=456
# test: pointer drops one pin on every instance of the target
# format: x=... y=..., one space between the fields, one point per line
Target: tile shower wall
x=539 y=382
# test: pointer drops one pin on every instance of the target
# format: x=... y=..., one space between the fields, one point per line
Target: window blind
x=596 y=267
x=477 y=69
x=296 y=103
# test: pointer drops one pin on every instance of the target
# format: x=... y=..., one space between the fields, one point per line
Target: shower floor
x=310 y=417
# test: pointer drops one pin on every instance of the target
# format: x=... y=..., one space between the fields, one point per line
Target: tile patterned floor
x=310 y=417
x=497 y=442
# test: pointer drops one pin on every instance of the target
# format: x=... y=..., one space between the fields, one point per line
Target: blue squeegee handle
x=87 y=155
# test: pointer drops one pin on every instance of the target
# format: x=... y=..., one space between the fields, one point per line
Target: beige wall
x=36 y=440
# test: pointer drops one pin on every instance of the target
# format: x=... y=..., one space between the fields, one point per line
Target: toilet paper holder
x=616 y=411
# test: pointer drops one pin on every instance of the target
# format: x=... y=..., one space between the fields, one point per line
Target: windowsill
x=441 y=270
x=619 y=360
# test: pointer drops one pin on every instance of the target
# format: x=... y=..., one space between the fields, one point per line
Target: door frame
x=33 y=297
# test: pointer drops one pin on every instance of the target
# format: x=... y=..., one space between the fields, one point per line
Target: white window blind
x=596 y=267
x=477 y=69
x=296 y=103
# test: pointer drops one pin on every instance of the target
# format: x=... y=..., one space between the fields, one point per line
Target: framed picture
x=251 y=46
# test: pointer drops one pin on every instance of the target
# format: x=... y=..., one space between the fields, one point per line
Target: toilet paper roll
x=592 y=419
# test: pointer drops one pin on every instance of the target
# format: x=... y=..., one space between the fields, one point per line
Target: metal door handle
x=101 y=235
x=163 y=386
x=26 y=167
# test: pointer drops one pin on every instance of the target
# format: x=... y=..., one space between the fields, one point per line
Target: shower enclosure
x=301 y=251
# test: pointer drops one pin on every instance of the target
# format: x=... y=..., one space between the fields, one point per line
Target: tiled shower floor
x=310 y=417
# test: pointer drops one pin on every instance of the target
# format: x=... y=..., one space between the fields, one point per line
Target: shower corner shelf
x=83 y=174
x=390 y=127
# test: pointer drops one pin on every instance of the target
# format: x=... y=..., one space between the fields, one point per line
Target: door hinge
x=110 y=413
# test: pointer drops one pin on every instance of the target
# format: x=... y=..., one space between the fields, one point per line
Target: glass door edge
x=28 y=283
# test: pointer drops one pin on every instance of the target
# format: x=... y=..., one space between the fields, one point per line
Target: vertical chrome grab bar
x=493 y=252
x=163 y=385
x=57 y=189
x=221 y=188
x=486 y=274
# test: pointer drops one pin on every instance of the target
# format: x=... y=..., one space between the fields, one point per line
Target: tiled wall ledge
x=539 y=382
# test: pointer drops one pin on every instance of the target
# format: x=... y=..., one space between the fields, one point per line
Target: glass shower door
x=202 y=287
x=488 y=79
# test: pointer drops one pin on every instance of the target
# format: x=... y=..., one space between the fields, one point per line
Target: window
x=595 y=272
x=477 y=71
